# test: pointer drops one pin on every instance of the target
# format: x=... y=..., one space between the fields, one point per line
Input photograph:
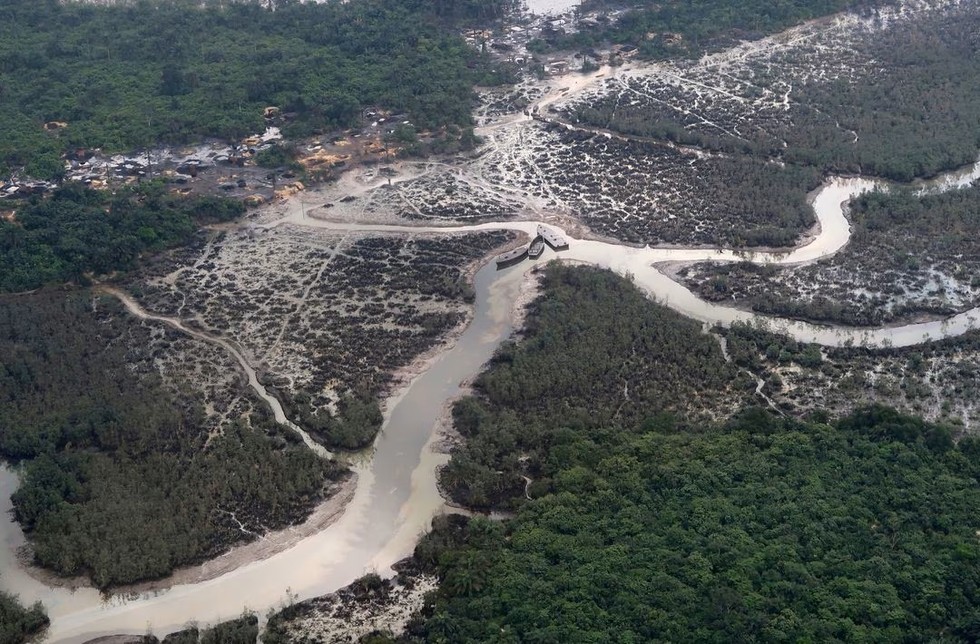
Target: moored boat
x=511 y=257
x=536 y=248
x=553 y=239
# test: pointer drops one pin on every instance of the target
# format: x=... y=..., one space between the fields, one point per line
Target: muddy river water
x=396 y=493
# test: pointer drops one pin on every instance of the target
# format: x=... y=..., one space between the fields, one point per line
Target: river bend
x=396 y=493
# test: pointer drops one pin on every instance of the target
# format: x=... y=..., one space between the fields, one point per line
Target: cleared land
x=635 y=191
x=369 y=606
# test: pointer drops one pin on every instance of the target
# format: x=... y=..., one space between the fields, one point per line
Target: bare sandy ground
x=338 y=618
x=530 y=291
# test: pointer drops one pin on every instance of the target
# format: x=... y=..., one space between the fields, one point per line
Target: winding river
x=396 y=493
x=396 y=496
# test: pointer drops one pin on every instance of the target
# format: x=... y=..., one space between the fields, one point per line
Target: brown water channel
x=396 y=495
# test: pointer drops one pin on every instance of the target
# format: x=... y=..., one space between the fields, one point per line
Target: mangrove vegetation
x=17 y=623
x=120 y=480
x=79 y=232
x=647 y=527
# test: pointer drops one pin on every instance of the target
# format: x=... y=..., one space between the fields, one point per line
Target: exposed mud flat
x=184 y=362
x=658 y=194
x=321 y=314
x=860 y=291
x=742 y=93
x=936 y=381
x=365 y=607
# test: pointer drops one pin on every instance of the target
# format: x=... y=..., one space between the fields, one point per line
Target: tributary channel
x=396 y=494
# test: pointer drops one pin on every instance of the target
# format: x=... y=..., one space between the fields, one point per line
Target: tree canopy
x=648 y=528
x=19 y=624
x=761 y=529
x=79 y=230
x=597 y=355
x=141 y=73
x=121 y=479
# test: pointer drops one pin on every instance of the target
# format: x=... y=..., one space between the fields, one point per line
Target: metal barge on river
x=553 y=239
x=535 y=249
x=512 y=257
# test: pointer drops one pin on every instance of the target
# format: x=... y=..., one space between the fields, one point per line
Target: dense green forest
x=120 y=482
x=244 y=630
x=355 y=425
x=141 y=73
x=650 y=528
x=596 y=356
x=19 y=624
x=918 y=116
x=79 y=231
x=759 y=530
